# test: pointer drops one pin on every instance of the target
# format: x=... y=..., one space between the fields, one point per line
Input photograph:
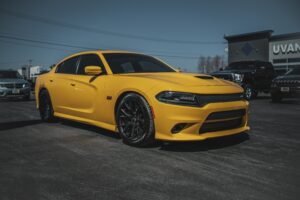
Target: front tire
x=249 y=92
x=135 y=120
x=45 y=107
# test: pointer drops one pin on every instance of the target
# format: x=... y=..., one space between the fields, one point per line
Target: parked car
x=13 y=85
x=141 y=98
x=253 y=76
x=286 y=86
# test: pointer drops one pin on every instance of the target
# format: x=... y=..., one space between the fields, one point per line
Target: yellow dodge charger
x=140 y=97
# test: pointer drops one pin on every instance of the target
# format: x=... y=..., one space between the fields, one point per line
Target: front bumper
x=292 y=92
x=14 y=92
x=196 y=119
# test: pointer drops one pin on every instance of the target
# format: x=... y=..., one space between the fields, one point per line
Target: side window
x=149 y=66
x=68 y=66
x=127 y=67
x=88 y=60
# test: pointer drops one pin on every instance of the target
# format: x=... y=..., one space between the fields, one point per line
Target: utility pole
x=28 y=68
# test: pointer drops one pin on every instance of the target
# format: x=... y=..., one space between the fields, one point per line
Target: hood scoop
x=205 y=77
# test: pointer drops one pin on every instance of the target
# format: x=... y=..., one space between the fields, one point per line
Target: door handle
x=73 y=84
x=51 y=80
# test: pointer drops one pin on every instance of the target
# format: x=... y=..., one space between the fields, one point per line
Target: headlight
x=25 y=85
x=238 y=77
x=179 y=98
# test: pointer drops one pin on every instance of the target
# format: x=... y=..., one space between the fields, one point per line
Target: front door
x=88 y=90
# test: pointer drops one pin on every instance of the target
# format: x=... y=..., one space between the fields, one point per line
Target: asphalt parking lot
x=67 y=160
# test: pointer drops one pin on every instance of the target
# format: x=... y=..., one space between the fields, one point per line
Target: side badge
x=109 y=97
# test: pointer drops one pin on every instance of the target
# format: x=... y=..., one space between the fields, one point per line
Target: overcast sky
x=176 y=31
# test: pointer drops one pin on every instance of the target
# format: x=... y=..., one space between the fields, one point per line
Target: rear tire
x=45 y=107
x=135 y=120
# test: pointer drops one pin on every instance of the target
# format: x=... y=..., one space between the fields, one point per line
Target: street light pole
x=28 y=68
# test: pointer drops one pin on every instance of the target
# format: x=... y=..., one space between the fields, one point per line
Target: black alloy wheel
x=45 y=107
x=135 y=120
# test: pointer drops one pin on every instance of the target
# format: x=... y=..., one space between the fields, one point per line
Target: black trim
x=204 y=99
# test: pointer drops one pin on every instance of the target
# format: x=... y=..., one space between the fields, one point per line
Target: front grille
x=221 y=126
x=204 y=99
x=287 y=82
x=13 y=85
x=226 y=114
x=228 y=122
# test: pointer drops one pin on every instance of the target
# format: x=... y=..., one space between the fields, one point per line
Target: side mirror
x=92 y=70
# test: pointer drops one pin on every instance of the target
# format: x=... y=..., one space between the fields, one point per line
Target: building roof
x=249 y=36
x=288 y=36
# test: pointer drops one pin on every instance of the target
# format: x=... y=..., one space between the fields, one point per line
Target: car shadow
x=91 y=128
x=210 y=144
x=18 y=124
x=16 y=100
x=214 y=143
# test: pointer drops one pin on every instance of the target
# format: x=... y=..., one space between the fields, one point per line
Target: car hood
x=12 y=80
x=288 y=77
x=183 y=79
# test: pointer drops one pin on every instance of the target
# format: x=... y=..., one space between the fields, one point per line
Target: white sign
x=286 y=48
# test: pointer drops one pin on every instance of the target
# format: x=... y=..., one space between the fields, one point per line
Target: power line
x=43 y=42
x=101 y=31
x=77 y=47
x=118 y=48
x=31 y=45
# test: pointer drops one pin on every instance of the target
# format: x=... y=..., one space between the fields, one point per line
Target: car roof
x=107 y=51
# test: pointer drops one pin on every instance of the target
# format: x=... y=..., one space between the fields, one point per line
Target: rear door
x=61 y=85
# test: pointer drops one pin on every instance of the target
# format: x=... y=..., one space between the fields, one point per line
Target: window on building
x=293 y=60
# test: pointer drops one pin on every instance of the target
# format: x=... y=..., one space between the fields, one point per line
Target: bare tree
x=208 y=64
x=202 y=64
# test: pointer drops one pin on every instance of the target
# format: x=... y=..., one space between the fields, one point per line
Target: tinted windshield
x=134 y=63
x=293 y=72
x=241 y=66
x=9 y=74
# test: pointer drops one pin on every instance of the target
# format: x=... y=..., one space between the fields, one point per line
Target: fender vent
x=205 y=77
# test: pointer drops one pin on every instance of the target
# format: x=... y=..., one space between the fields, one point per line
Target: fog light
x=178 y=127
